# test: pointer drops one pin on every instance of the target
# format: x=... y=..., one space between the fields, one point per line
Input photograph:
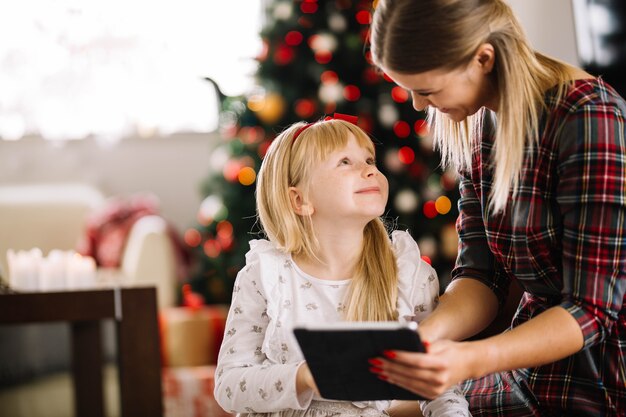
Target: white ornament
x=428 y=246
x=392 y=163
x=283 y=10
x=388 y=115
x=337 y=23
x=406 y=201
x=323 y=42
x=331 y=93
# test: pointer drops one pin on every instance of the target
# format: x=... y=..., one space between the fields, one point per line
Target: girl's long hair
x=411 y=37
x=373 y=291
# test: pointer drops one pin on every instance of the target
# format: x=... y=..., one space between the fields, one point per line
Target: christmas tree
x=315 y=62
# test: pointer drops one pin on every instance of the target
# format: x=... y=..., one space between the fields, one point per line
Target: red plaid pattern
x=564 y=239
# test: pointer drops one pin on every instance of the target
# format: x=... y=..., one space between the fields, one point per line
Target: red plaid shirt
x=563 y=238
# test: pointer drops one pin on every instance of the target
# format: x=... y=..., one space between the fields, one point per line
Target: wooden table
x=138 y=351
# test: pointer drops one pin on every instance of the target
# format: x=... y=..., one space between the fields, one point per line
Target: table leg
x=87 y=368
x=139 y=355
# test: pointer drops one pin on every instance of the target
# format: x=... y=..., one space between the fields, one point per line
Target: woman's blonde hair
x=288 y=163
x=411 y=37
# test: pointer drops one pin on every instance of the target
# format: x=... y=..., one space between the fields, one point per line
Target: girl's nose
x=419 y=102
x=370 y=170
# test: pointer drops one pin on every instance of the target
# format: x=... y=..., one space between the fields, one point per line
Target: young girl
x=328 y=259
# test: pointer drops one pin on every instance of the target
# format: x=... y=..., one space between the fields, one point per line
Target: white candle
x=81 y=272
x=24 y=269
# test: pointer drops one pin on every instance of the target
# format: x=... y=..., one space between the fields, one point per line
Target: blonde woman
x=328 y=258
x=540 y=147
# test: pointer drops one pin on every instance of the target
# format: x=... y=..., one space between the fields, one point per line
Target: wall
x=172 y=168
x=549 y=25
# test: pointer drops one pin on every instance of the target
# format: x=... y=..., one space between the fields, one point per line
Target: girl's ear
x=299 y=206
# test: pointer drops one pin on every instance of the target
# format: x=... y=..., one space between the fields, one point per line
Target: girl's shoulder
x=264 y=249
x=264 y=259
x=408 y=256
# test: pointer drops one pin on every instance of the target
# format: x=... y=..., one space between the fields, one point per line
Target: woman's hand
x=304 y=379
x=430 y=374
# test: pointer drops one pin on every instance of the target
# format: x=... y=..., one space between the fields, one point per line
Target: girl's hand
x=304 y=379
x=429 y=374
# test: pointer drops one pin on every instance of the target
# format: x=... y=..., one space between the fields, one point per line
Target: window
x=71 y=69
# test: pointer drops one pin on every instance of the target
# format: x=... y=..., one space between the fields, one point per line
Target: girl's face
x=458 y=93
x=348 y=186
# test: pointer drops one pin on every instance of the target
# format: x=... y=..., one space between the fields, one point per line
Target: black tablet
x=338 y=354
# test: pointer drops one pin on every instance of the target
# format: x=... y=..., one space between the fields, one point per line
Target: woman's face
x=458 y=93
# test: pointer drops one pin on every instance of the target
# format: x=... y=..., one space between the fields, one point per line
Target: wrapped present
x=188 y=392
x=192 y=336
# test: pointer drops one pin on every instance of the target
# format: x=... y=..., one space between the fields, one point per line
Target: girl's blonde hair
x=411 y=37
x=373 y=291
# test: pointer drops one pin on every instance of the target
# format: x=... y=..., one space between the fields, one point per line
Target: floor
x=52 y=396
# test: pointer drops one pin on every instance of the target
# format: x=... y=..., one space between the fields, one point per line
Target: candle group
x=60 y=270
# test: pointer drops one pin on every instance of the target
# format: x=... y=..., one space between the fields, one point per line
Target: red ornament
x=399 y=94
x=406 y=155
x=304 y=108
x=430 y=210
x=191 y=299
x=305 y=22
x=386 y=77
x=401 y=129
x=351 y=92
x=308 y=7
x=427 y=260
x=329 y=77
x=263 y=148
x=364 y=17
x=192 y=238
x=293 y=38
x=371 y=76
x=284 y=55
x=421 y=127
x=323 y=57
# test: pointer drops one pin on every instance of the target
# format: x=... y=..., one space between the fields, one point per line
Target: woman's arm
x=466 y=308
x=546 y=338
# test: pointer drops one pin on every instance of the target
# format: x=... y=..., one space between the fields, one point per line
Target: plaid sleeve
x=474 y=259
x=592 y=197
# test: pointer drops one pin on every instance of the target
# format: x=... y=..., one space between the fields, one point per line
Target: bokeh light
x=401 y=129
x=192 y=238
x=399 y=94
x=406 y=155
x=430 y=210
x=443 y=205
x=246 y=176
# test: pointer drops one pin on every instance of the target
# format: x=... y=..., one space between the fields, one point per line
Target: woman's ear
x=299 y=206
x=486 y=57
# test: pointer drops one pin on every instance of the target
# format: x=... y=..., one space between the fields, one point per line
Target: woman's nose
x=419 y=102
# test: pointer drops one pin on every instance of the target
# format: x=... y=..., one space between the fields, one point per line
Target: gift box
x=188 y=392
x=191 y=336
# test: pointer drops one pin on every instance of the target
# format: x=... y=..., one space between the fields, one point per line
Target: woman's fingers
x=427 y=374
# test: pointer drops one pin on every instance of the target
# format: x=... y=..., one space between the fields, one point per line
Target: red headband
x=336 y=116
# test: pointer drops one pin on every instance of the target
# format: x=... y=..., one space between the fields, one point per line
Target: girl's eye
x=371 y=161
x=344 y=161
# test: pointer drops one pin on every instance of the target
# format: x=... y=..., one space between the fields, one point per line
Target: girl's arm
x=246 y=380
